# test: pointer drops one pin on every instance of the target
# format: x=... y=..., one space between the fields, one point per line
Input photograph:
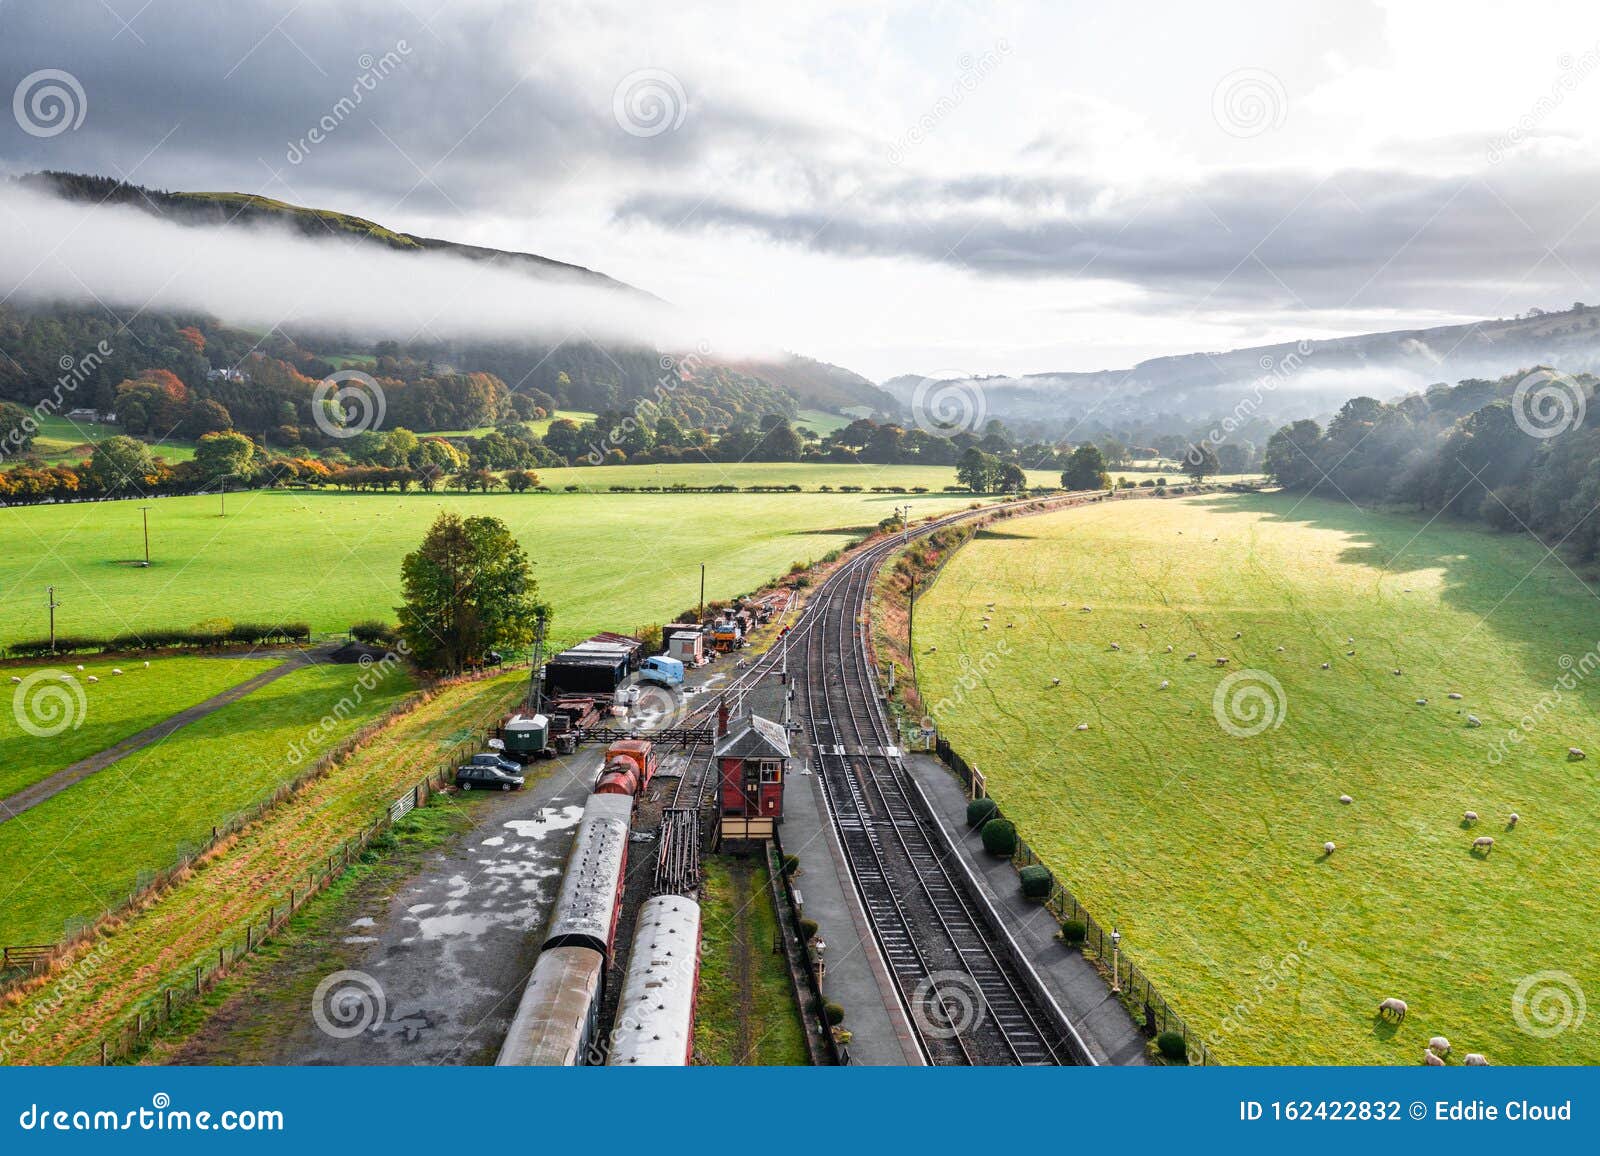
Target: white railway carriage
x=590 y=899
x=655 y=1015
x=555 y=1021
x=556 y=1016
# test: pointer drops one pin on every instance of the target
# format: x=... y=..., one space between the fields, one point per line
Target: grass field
x=81 y=852
x=61 y=1022
x=820 y=421
x=745 y=1014
x=606 y=561
x=1204 y=847
x=60 y=440
x=539 y=427
x=111 y=710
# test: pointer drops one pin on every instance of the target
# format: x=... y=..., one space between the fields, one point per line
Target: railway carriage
x=560 y=1005
x=655 y=1013
x=629 y=766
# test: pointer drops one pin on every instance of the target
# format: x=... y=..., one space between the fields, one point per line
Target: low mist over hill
x=1283 y=382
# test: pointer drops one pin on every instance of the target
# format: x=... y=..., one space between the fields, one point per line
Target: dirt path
x=31 y=796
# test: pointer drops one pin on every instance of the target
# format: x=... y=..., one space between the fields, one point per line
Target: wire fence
x=1147 y=1005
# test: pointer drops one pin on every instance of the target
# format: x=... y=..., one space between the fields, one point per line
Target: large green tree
x=1200 y=462
x=223 y=454
x=978 y=471
x=121 y=463
x=1086 y=469
x=468 y=589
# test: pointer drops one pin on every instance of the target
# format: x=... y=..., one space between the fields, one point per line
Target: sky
x=931 y=188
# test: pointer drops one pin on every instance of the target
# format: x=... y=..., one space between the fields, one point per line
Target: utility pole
x=145 y=510
x=224 y=492
x=702 y=592
x=50 y=597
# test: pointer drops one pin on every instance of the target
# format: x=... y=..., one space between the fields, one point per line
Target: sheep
x=1011 y=625
x=1431 y=1060
x=1088 y=609
x=1327 y=666
x=1393 y=1006
x=93 y=678
x=147 y=662
x=118 y=669
x=1474 y=721
x=1474 y=1060
x=1190 y=657
x=1083 y=726
x=1396 y=672
x=1165 y=684
x=1280 y=650
x=985 y=626
x=1328 y=847
x=1422 y=702
x=1114 y=646
x=1484 y=843
x=1470 y=818
x=80 y=666
x=1142 y=626
x=1238 y=634
x=1511 y=820
x=1439 y=1044
x=15 y=678
x=1346 y=799
x=1222 y=662
x=1574 y=754
x=1169 y=649
x=1454 y=696
x=1055 y=682
x=1349 y=654
x=1349 y=640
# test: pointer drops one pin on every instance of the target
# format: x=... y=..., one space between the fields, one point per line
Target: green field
x=607 y=561
x=539 y=427
x=112 y=709
x=60 y=440
x=1205 y=848
x=820 y=421
x=808 y=475
x=82 y=851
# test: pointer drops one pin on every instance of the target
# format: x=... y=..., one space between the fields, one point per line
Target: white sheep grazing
x=1238 y=634
x=1280 y=650
x=1349 y=654
x=1169 y=650
x=92 y=678
x=1190 y=656
x=1470 y=817
x=1087 y=609
x=1474 y=721
x=1055 y=682
x=15 y=678
x=1397 y=672
x=1010 y=625
x=1393 y=1006
x=1453 y=696
x=1512 y=820
x=1114 y=646
x=147 y=662
x=1327 y=666
x=1165 y=684
x=1142 y=626
x=1349 y=640
x=1328 y=848
x=1083 y=726
x=1439 y=1044
x=1431 y=1060
x=1222 y=662
x=1484 y=843
x=80 y=666
x=1475 y=1060
x=1346 y=799
x=1575 y=753
x=985 y=626
x=118 y=669
x=1422 y=702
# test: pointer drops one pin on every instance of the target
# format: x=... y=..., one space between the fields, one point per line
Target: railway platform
x=1105 y=1025
x=855 y=978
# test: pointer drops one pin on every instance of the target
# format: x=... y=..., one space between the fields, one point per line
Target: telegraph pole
x=224 y=492
x=50 y=597
x=145 y=510
x=702 y=592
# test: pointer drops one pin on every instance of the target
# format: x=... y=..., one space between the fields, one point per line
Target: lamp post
x=1116 y=970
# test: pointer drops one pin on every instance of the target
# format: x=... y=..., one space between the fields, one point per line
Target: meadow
x=62 y=441
x=606 y=561
x=82 y=851
x=1203 y=843
x=112 y=709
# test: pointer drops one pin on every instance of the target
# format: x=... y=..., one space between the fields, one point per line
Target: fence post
x=102 y=1053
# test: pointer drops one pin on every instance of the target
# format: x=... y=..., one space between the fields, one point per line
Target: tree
x=121 y=463
x=1086 y=469
x=17 y=427
x=206 y=416
x=398 y=446
x=1291 y=455
x=1200 y=462
x=978 y=471
x=220 y=454
x=468 y=589
x=1012 y=479
x=519 y=481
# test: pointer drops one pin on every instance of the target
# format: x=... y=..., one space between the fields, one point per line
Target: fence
x=1135 y=987
x=810 y=998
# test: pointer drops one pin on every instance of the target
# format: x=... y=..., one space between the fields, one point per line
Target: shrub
x=1000 y=837
x=1074 y=932
x=980 y=811
x=808 y=929
x=791 y=864
x=833 y=1013
x=1171 y=1045
x=374 y=632
x=1036 y=881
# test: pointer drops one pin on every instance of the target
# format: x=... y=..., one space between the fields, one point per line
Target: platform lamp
x=1116 y=972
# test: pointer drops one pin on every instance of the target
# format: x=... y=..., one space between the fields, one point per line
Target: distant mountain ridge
x=1289 y=380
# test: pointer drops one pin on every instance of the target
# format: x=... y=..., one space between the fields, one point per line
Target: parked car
x=491 y=759
x=483 y=777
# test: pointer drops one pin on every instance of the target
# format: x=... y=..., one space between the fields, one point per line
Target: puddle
x=361 y=939
x=495 y=841
x=364 y=921
x=550 y=819
x=418 y=908
x=466 y=923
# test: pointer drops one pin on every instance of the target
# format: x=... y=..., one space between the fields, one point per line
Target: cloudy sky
x=974 y=187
